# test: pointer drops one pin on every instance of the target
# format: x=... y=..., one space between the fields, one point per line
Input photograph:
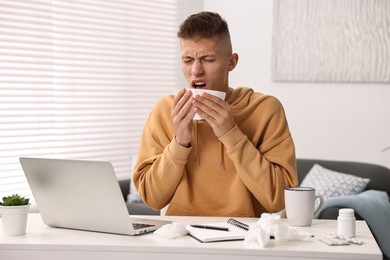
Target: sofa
x=379 y=177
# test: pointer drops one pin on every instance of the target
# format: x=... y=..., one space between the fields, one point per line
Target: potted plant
x=14 y=212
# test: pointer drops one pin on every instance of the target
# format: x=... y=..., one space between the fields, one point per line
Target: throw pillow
x=329 y=183
x=133 y=195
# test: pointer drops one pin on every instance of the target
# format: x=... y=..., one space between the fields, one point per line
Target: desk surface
x=43 y=242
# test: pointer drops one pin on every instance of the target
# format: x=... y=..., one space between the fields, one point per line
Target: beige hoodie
x=241 y=174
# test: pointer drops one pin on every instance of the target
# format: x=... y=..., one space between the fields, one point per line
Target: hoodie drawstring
x=195 y=124
x=221 y=160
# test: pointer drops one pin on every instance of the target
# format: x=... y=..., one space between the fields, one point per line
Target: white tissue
x=271 y=225
x=173 y=230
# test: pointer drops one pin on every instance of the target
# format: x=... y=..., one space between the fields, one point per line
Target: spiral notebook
x=236 y=231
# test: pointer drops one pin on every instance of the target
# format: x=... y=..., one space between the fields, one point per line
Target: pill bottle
x=346 y=223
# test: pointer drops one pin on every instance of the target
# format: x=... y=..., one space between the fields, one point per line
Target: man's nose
x=197 y=68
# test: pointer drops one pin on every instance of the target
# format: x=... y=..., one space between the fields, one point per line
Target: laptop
x=82 y=195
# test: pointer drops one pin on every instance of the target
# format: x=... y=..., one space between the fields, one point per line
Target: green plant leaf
x=14 y=200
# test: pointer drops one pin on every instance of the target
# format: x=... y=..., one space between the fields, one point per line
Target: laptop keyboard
x=141 y=225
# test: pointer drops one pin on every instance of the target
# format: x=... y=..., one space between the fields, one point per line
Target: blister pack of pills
x=354 y=241
x=350 y=240
x=332 y=241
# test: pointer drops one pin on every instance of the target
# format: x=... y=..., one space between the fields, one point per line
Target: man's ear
x=233 y=61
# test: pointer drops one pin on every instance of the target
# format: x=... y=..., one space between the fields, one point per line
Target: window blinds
x=79 y=77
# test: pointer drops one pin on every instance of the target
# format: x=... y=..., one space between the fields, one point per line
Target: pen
x=211 y=227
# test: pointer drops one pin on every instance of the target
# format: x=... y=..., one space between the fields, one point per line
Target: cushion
x=133 y=194
x=329 y=183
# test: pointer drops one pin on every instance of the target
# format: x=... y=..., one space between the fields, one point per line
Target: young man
x=235 y=162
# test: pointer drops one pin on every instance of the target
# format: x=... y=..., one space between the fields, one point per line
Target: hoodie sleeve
x=266 y=162
x=160 y=160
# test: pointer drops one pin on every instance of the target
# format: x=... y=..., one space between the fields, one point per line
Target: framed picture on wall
x=331 y=41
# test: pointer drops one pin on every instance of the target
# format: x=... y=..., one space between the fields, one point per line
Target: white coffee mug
x=196 y=91
x=300 y=204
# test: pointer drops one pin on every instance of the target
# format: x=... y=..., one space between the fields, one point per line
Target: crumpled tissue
x=173 y=230
x=271 y=225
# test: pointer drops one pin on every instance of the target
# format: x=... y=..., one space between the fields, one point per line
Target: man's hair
x=204 y=25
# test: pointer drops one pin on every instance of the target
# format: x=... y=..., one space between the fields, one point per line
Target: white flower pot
x=14 y=219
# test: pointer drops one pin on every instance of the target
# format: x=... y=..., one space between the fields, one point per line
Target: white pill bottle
x=346 y=223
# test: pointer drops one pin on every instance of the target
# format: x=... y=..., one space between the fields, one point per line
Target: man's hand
x=216 y=112
x=182 y=114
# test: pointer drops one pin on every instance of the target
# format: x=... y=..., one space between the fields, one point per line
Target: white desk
x=43 y=242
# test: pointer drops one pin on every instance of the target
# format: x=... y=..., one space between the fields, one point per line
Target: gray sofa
x=379 y=177
x=379 y=180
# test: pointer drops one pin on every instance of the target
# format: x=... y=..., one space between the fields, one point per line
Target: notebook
x=205 y=233
x=82 y=195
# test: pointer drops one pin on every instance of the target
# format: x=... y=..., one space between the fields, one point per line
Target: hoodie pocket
x=176 y=210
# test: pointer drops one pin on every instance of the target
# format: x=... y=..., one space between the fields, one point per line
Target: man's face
x=206 y=63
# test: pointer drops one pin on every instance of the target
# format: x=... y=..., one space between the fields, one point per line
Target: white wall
x=327 y=121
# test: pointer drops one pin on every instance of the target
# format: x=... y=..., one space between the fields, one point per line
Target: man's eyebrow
x=202 y=56
x=186 y=57
x=208 y=56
